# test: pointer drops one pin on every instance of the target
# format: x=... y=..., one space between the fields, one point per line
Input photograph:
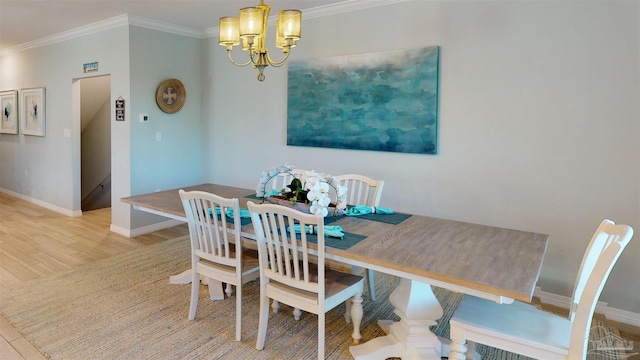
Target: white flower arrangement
x=314 y=189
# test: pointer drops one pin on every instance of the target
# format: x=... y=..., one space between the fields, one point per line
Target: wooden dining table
x=491 y=262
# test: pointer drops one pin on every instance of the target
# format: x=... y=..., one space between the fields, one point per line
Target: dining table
x=491 y=262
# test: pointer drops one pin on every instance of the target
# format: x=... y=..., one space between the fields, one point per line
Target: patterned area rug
x=124 y=308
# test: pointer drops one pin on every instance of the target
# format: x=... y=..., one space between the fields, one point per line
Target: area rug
x=124 y=308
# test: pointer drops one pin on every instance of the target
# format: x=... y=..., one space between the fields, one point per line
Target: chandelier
x=251 y=28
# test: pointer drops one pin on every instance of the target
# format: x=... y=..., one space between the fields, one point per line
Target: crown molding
x=165 y=27
x=323 y=11
x=345 y=7
x=108 y=24
x=93 y=28
x=126 y=19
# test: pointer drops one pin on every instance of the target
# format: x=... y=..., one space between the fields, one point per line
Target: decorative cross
x=169 y=95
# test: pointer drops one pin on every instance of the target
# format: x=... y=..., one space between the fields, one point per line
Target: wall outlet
x=158 y=136
x=144 y=118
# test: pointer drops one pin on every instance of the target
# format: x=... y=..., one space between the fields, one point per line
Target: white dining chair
x=362 y=190
x=292 y=273
x=283 y=180
x=524 y=329
x=216 y=247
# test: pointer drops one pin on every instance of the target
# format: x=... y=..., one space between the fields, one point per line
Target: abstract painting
x=32 y=111
x=379 y=101
x=9 y=107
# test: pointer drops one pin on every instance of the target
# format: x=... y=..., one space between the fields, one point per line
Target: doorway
x=95 y=142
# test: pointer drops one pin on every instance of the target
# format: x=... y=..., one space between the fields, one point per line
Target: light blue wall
x=138 y=60
x=48 y=168
x=539 y=121
x=176 y=160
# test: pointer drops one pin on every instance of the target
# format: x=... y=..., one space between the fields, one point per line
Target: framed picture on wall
x=9 y=107
x=384 y=101
x=32 y=112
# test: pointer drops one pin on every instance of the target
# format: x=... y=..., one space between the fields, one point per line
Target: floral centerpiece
x=313 y=189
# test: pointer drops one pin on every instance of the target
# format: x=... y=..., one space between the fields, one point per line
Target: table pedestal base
x=215 y=286
x=409 y=338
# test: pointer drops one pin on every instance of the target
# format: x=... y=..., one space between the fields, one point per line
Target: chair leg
x=321 y=322
x=275 y=306
x=347 y=312
x=195 y=287
x=238 y=310
x=368 y=278
x=471 y=351
x=458 y=346
x=229 y=290
x=297 y=313
x=371 y=283
x=356 y=316
x=264 y=318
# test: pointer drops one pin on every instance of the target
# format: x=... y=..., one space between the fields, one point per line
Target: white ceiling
x=24 y=21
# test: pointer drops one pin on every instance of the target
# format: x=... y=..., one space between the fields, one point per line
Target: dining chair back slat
x=292 y=269
x=362 y=190
x=217 y=251
x=284 y=179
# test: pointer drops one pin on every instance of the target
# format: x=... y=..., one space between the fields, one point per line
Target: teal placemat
x=348 y=241
x=243 y=220
x=395 y=218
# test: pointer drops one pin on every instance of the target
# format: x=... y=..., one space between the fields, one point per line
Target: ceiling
x=24 y=21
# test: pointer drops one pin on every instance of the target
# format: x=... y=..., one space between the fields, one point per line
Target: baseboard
x=46 y=205
x=613 y=314
x=144 y=229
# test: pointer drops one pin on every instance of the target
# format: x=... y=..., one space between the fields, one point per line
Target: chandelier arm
x=238 y=64
x=278 y=63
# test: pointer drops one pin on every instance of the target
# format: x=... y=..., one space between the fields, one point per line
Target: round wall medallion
x=170 y=96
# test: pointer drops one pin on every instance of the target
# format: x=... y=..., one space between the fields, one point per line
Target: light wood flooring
x=36 y=243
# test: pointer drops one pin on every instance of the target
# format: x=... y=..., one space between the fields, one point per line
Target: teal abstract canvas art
x=379 y=101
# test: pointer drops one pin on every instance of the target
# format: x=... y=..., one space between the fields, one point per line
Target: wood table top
x=461 y=256
x=499 y=261
x=168 y=201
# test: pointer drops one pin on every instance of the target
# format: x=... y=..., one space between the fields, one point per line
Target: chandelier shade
x=229 y=31
x=250 y=29
x=290 y=24
x=251 y=23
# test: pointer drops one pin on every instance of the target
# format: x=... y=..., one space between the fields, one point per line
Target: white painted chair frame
x=362 y=190
x=524 y=329
x=216 y=248
x=307 y=286
x=283 y=180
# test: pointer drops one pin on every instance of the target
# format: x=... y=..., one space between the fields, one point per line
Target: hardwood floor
x=36 y=243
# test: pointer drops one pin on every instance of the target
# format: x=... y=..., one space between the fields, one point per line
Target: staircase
x=99 y=197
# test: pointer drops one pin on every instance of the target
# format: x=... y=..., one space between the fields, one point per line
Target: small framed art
x=9 y=107
x=32 y=112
